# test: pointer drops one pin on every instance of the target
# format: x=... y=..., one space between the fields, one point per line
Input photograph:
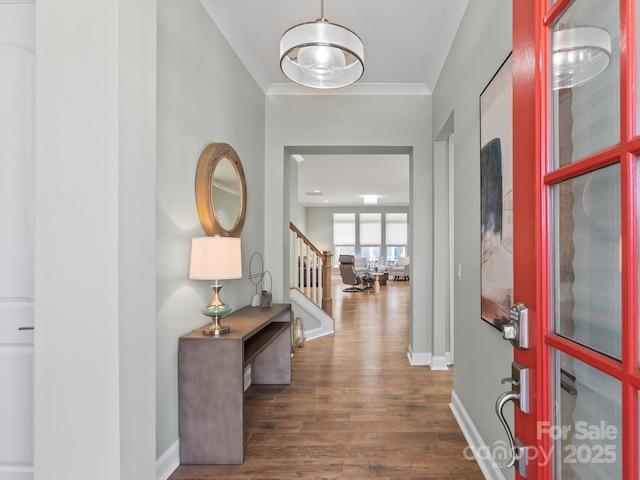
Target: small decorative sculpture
x=267 y=299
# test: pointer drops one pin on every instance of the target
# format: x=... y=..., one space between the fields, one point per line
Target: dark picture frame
x=496 y=196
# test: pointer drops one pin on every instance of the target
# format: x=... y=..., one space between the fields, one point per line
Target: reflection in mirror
x=221 y=191
x=225 y=191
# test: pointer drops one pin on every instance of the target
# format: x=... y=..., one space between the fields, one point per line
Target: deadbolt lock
x=516 y=330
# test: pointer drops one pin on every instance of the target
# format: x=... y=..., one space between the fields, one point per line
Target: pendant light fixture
x=321 y=54
x=579 y=54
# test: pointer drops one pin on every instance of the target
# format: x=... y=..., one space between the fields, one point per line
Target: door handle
x=500 y=403
x=519 y=452
x=26 y=328
x=520 y=396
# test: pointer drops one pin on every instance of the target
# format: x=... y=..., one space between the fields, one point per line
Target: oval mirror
x=221 y=191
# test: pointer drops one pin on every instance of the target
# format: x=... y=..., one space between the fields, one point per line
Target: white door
x=17 y=39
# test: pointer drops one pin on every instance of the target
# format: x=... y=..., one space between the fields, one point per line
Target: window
x=371 y=254
x=344 y=228
x=370 y=229
x=394 y=252
x=344 y=235
x=370 y=236
x=395 y=236
x=381 y=238
x=396 y=228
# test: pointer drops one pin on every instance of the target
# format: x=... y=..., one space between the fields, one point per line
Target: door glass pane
x=587 y=265
x=585 y=80
x=587 y=433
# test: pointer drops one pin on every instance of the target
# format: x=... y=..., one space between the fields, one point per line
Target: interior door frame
x=451 y=236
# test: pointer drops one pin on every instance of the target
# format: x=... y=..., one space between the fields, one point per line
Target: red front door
x=576 y=148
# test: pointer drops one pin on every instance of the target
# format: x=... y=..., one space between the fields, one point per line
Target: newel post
x=326 y=282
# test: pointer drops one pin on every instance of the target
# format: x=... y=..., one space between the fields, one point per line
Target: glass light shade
x=579 y=54
x=321 y=62
x=321 y=55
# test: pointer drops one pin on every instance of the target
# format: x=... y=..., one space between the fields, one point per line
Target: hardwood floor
x=355 y=407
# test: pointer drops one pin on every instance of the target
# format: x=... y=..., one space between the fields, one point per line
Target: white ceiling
x=405 y=41
x=405 y=46
x=346 y=179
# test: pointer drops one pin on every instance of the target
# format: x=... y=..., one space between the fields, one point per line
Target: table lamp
x=215 y=258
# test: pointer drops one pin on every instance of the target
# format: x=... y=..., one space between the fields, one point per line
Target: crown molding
x=354 y=89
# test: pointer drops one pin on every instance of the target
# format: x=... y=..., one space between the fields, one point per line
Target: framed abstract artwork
x=496 y=196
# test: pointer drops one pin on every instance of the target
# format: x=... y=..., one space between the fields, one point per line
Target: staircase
x=310 y=285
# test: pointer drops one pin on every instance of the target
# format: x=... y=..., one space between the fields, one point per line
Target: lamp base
x=216 y=329
x=216 y=309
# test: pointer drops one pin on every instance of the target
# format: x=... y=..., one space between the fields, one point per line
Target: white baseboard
x=418 y=358
x=436 y=362
x=168 y=462
x=488 y=466
x=316 y=333
x=439 y=362
x=306 y=309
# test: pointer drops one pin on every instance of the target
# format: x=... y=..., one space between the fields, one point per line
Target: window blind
x=370 y=228
x=344 y=228
x=396 y=228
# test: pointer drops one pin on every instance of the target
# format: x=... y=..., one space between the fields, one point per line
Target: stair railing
x=310 y=269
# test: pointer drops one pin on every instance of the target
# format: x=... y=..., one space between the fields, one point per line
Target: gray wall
x=441 y=268
x=352 y=124
x=482 y=358
x=204 y=95
x=95 y=263
x=298 y=212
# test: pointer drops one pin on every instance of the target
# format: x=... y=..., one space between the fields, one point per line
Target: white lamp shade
x=215 y=258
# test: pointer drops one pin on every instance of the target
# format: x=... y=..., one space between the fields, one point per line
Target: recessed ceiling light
x=298 y=158
x=370 y=199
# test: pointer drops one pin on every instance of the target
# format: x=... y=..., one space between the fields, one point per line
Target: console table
x=211 y=380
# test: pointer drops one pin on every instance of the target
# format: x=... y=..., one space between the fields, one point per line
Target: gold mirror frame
x=209 y=159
